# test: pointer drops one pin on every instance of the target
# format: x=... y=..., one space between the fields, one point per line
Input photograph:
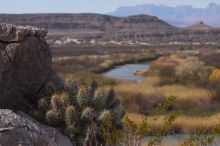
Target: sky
x=83 y=6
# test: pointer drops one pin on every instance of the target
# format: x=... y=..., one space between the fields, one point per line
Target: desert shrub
x=215 y=75
x=165 y=68
x=202 y=138
x=192 y=71
x=88 y=76
x=134 y=133
x=211 y=59
x=189 y=97
x=134 y=101
x=88 y=114
x=214 y=79
x=83 y=57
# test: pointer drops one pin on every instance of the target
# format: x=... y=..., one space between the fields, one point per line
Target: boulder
x=21 y=130
x=25 y=63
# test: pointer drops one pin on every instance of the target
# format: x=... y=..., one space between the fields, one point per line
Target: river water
x=126 y=72
x=177 y=139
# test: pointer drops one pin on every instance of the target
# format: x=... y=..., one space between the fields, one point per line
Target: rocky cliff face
x=25 y=63
x=96 y=28
x=21 y=130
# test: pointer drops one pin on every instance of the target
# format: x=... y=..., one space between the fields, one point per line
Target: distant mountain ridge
x=104 y=29
x=87 y=21
x=179 y=16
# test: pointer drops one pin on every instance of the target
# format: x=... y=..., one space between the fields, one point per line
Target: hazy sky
x=78 y=6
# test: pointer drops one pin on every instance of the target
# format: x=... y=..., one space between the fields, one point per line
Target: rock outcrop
x=25 y=63
x=21 y=130
x=200 y=26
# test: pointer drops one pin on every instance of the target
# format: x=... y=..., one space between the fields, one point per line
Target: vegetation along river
x=126 y=72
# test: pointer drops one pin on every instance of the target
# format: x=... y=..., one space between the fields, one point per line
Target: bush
x=165 y=68
x=85 y=112
x=215 y=75
x=192 y=71
x=214 y=79
x=134 y=133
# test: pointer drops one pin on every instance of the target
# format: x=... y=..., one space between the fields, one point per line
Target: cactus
x=80 y=109
x=111 y=102
x=81 y=97
x=52 y=118
x=70 y=129
x=88 y=114
x=99 y=99
x=71 y=88
x=57 y=105
x=65 y=99
x=71 y=115
x=104 y=114
x=43 y=105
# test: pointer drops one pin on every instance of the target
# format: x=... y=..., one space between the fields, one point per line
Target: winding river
x=126 y=72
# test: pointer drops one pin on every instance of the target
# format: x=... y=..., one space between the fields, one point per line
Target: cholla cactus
x=43 y=104
x=57 y=105
x=83 y=98
x=66 y=99
x=80 y=111
x=71 y=87
x=43 y=107
x=52 y=118
x=88 y=114
x=71 y=115
x=104 y=114
x=99 y=99
x=111 y=102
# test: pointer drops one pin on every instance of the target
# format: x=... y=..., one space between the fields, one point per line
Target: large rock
x=22 y=130
x=25 y=62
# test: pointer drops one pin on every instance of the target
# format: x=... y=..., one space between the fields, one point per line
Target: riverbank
x=197 y=103
x=182 y=125
x=196 y=97
x=178 y=139
x=101 y=63
x=132 y=60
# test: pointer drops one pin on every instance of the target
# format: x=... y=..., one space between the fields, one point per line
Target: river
x=177 y=139
x=126 y=72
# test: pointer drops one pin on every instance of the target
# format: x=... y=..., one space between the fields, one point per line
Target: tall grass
x=87 y=76
x=187 y=96
x=148 y=93
x=183 y=124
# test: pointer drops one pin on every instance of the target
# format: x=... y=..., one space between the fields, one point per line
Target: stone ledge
x=12 y=33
